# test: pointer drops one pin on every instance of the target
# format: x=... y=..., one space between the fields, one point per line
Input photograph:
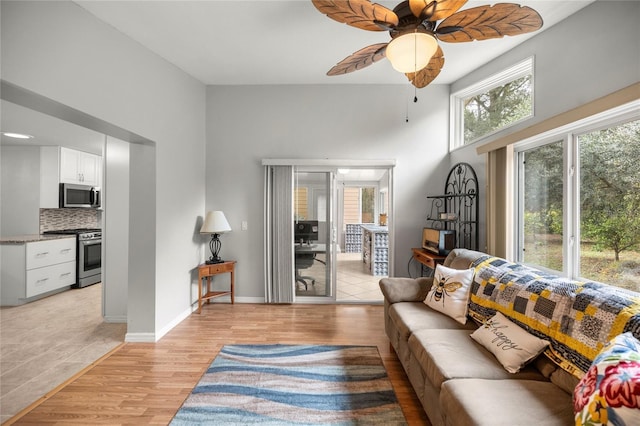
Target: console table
x=207 y=271
x=427 y=259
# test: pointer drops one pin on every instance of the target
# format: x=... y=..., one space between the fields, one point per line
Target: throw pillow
x=449 y=293
x=509 y=343
x=610 y=391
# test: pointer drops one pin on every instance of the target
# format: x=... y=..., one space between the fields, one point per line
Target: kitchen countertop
x=23 y=239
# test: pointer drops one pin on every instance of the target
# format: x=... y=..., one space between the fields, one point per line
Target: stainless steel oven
x=88 y=254
x=89 y=258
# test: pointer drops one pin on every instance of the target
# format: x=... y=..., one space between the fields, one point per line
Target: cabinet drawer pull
x=67 y=250
x=44 y=253
x=65 y=274
x=41 y=280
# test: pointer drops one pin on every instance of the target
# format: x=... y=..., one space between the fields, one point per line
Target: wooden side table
x=428 y=259
x=207 y=271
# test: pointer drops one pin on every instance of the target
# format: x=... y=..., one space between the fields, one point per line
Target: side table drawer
x=217 y=269
x=426 y=261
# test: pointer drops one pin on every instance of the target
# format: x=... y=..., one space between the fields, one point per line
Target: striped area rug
x=293 y=385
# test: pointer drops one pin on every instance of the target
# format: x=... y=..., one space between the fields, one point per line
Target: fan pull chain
x=406 y=118
x=415 y=64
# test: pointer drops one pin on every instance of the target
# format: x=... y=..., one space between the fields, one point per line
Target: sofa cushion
x=510 y=344
x=610 y=391
x=405 y=289
x=564 y=380
x=504 y=402
x=450 y=292
x=411 y=316
x=451 y=354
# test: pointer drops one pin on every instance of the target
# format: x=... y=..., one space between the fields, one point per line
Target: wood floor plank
x=146 y=383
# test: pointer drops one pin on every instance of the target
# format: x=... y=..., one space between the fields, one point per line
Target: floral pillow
x=449 y=293
x=610 y=391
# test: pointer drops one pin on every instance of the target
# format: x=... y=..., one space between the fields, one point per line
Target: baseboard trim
x=140 y=338
x=177 y=320
x=115 y=319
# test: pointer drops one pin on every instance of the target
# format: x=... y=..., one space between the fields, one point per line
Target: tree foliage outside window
x=608 y=210
x=368 y=205
x=543 y=206
x=497 y=108
x=610 y=192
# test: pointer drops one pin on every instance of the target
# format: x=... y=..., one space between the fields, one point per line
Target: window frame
x=456 y=100
x=569 y=134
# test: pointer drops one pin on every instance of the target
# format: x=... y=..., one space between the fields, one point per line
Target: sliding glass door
x=316 y=212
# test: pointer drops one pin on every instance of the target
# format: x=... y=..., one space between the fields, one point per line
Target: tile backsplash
x=57 y=219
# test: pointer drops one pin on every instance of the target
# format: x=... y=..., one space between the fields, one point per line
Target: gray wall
x=60 y=51
x=115 y=239
x=248 y=123
x=20 y=179
x=590 y=54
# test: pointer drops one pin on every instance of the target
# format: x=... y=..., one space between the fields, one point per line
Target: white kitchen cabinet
x=33 y=269
x=79 y=167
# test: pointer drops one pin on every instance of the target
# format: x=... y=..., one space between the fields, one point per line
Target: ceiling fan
x=414 y=29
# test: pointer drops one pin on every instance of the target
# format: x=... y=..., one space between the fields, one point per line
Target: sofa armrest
x=405 y=289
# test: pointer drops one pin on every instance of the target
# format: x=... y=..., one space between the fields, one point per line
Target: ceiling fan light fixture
x=412 y=51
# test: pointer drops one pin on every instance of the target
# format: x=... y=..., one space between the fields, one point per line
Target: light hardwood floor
x=146 y=383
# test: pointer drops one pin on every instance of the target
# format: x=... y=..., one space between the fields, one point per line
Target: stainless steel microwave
x=73 y=195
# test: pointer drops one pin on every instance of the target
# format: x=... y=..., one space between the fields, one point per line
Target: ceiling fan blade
x=358 y=13
x=360 y=59
x=435 y=10
x=486 y=22
x=427 y=74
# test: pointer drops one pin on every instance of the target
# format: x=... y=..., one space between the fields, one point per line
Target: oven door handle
x=91 y=243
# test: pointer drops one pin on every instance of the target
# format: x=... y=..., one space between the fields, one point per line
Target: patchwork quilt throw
x=293 y=385
x=578 y=318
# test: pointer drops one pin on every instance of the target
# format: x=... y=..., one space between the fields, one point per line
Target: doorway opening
x=349 y=253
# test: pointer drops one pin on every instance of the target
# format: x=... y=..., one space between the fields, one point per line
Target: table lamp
x=215 y=224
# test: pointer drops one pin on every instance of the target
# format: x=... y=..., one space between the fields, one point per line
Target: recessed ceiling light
x=17 y=135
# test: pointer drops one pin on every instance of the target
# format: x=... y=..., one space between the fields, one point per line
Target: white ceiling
x=256 y=42
x=284 y=42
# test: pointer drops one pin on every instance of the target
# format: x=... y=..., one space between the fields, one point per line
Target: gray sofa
x=457 y=380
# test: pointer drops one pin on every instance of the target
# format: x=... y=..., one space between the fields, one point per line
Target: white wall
x=60 y=51
x=248 y=123
x=590 y=54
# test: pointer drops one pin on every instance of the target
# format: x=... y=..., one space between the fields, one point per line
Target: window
x=301 y=203
x=359 y=204
x=579 y=198
x=543 y=206
x=492 y=104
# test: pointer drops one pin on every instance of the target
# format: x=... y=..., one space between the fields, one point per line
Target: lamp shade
x=215 y=223
x=411 y=52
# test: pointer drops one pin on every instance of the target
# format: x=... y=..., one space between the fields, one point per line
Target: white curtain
x=278 y=209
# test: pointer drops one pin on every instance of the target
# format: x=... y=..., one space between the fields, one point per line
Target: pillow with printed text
x=512 y=345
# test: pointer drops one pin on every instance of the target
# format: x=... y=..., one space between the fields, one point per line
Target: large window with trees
x=492 y=104
x=579 y=201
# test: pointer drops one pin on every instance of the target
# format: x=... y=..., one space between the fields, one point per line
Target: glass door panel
x=314 y=242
